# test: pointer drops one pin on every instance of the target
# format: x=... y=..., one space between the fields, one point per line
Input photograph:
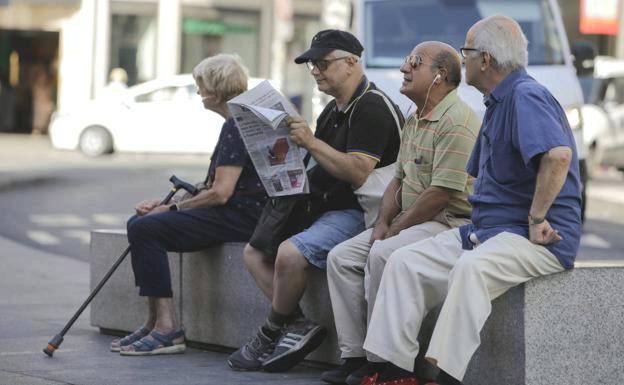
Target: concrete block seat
x=564 y=329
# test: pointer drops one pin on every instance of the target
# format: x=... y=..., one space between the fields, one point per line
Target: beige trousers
x=354 y=270
x=422 y=275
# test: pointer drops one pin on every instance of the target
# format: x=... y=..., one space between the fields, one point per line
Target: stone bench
x=564 y=329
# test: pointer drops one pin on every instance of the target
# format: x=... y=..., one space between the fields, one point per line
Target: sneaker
x=368 y=370
x=297 y=340
x=251 y=355
x=339 y=375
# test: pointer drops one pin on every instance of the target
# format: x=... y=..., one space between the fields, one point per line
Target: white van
x=389 y=30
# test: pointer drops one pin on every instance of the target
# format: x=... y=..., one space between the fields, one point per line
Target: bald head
x=503 y=39
x=444 y=58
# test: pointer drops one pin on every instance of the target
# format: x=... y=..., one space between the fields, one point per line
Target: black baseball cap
x=328 y=40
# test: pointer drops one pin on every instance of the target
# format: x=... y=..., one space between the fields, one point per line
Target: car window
x=166 y=94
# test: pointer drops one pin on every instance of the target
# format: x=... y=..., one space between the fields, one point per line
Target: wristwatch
x=535 y=220
x=173 y=207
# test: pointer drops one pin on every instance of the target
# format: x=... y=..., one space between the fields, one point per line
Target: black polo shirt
x=372 y=132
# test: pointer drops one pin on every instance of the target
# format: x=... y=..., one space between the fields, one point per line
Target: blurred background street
x=51 y=199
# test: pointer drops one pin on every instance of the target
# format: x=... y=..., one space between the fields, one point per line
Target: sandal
x=118 y=343
x=158 y=344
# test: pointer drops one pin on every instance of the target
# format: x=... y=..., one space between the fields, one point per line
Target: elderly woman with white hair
x=226 y=210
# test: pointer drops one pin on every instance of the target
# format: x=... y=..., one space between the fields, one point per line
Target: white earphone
x=437 y=77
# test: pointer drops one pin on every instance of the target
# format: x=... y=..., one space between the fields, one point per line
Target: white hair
x=223 y=74
x=502 y=37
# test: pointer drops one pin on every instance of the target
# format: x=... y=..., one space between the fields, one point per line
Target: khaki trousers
x=354 y=270
x=422 y=275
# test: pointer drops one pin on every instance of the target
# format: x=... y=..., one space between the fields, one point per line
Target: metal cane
x=57 y=340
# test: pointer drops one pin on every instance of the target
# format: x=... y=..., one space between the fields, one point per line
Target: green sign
x=209 y=27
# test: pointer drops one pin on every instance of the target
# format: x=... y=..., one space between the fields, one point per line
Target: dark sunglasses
x=322 y=64
x=414 y=60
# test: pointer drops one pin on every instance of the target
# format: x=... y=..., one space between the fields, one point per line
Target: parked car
x=603 y=113
x=161 y=115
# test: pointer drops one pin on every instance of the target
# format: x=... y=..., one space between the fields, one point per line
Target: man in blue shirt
x=526 y=219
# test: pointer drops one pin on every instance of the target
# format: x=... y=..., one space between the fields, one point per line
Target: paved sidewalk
x=40 y=291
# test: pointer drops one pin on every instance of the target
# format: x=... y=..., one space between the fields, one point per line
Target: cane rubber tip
x=49 y=350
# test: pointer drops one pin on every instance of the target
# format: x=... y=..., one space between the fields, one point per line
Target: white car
x=603 y=113
x=161 y=115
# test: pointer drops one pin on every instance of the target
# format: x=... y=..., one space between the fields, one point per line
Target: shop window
x=133 y=46
x=233 y=32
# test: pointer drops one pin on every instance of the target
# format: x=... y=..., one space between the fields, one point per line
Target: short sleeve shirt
x=434 y=152
x=522 y=122
x=230 y=150
x=365 y=127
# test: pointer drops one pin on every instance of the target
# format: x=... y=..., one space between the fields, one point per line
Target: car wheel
x=96 y=141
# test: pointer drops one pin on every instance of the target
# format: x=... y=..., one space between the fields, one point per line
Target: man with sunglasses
x=357 y=132
x=526 y=220
x=428 y=195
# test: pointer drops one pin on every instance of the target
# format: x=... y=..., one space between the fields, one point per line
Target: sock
x=393 y=372
x=298 y=313
x=271 y=330
x=446 y=379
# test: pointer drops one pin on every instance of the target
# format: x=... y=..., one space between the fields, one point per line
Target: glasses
x=322 y=65
x=413 y=60
x=464 y=51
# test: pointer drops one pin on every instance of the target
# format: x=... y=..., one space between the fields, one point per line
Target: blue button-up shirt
x=522 y=121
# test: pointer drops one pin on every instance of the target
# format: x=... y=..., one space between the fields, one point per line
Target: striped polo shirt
x=434 y=152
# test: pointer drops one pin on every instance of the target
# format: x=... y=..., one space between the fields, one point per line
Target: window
x=394 y=27
x=133 y=46
x=232 y=32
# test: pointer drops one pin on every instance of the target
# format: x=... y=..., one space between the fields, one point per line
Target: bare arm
x=219 y=193
x=351 y=168
x=428 y=204
x=390 y=208
x=552 y=173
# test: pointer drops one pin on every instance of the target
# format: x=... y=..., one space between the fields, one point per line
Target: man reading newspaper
x=356 y=133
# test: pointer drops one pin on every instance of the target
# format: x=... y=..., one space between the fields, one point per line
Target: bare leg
x=261 y=267
x=290 y=278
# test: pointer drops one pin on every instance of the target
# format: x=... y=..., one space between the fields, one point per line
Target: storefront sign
x=208 y=27
x=600 y=16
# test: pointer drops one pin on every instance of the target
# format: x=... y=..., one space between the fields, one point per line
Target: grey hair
x=503 y=39
x=450 y=61
x=342 y=53
x=223 y=74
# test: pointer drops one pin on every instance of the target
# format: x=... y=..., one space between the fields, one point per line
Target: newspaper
x=260 y=115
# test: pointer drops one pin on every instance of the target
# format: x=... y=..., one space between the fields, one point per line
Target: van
x=389 y=29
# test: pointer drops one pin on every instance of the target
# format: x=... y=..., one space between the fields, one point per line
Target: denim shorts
x=332 y=228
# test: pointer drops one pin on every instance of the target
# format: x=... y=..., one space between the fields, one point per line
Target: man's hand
x=395 y=228
x=543 y=234
x=146 y=206
x=379 y=232
x=300 y=133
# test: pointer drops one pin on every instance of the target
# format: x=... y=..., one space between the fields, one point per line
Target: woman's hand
x=144 y=207
x=159 y=209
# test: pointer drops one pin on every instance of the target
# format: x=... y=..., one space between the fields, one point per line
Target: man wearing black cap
x=357 y=132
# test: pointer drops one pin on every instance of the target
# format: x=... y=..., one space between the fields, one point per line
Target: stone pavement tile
x=39 y=292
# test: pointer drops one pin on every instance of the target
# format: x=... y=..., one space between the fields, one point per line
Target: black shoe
x=297 y=340
x=251 y=355
x=339 y=375
x=367 y=370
